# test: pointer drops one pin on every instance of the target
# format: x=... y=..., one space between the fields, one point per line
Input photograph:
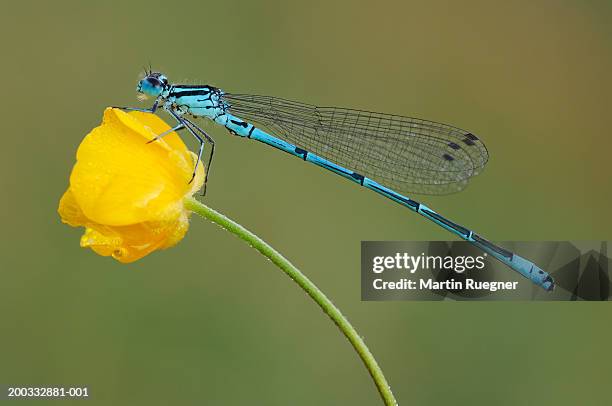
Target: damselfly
x=388 y=154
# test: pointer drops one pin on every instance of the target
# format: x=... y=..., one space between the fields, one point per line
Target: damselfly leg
x=152 y=109
x=194 y=130
x=180 y=126
x=211 y=141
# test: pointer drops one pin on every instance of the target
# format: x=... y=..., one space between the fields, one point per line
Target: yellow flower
x=129 y=194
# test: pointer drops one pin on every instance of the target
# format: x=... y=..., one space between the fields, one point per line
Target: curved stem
x=313 y=291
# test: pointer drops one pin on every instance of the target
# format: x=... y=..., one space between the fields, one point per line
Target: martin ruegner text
x=450 y=284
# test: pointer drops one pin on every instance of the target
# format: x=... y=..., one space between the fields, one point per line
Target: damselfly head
x=153 y=84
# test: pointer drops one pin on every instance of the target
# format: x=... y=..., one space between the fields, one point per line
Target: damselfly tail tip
x=549 y=283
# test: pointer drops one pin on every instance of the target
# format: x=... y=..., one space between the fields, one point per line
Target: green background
x=212 y=322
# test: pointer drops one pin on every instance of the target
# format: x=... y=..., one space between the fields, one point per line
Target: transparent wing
x=402 y=153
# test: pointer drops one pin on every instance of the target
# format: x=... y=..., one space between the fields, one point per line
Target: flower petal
x=119 y=179
x=130 y=243
x=129 y=194
x=70 y=212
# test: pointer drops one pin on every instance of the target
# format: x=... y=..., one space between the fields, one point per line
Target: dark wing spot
x=469 y=142
x=453 y=145
x=448 y=157
x=471 y=136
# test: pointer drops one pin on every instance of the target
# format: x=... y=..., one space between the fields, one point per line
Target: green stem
x=313 y=291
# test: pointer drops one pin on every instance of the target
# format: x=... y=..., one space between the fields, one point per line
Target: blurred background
x=212 y=322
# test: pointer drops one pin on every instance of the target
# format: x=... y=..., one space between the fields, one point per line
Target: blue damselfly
x=389 y=154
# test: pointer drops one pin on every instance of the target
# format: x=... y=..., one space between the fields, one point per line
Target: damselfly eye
x=153 y=82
